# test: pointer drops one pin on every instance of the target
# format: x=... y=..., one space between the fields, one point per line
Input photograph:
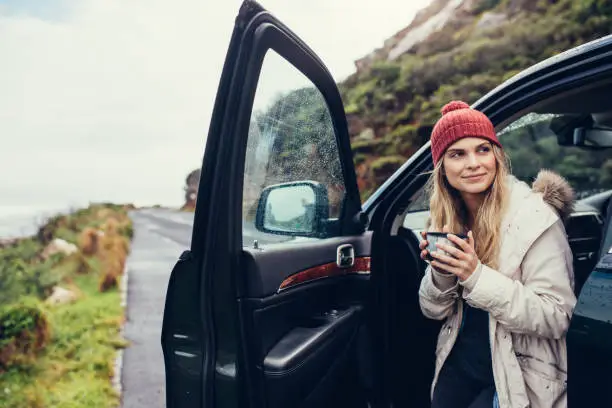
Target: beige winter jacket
x=530 y=299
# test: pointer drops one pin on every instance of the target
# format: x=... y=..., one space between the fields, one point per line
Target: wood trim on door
x=327 y=270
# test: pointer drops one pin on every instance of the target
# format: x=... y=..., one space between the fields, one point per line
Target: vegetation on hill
x=392 y=105
x=56 y=352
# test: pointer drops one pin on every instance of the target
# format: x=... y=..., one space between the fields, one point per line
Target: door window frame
x=269 y=36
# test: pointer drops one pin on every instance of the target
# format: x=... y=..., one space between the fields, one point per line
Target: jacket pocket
x=544 y=389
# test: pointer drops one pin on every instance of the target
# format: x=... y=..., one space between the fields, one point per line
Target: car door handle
x=345 y=256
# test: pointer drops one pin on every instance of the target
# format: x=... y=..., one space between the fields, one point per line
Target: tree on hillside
x=191 y=189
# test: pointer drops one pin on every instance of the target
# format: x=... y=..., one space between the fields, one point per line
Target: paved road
x=159 y=238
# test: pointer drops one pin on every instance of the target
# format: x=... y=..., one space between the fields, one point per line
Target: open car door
x=267 y=307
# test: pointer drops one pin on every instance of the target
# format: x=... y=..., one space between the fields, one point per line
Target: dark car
x=294 y=293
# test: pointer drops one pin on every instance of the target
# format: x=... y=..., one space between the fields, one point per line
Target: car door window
x=291 y=139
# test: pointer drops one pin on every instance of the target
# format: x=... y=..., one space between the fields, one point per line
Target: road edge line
x=118 y=367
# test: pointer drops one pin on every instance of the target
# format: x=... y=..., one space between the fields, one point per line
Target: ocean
x=23 y=221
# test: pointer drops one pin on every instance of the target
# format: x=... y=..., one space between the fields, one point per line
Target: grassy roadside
x=63 y=353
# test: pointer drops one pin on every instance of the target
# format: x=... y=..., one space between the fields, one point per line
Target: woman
x=506 y=292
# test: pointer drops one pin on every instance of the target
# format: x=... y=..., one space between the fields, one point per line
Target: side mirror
x=297 y=209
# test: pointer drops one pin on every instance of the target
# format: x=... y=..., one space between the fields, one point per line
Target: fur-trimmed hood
x=555 y=191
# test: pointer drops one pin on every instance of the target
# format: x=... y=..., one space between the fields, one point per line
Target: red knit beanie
x=458 y=121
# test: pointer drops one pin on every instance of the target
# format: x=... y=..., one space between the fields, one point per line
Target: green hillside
x=392 y=105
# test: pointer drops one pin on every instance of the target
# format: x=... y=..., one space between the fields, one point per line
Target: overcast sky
x=111 y=99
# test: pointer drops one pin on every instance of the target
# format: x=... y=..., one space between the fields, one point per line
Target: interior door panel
x=303 y=340
x=304 y=337
x=307 y=339
x=310 y=356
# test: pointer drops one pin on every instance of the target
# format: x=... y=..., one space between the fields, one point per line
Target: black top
x=472 y=351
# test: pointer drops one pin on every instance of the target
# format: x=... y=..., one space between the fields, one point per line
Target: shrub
x=89 y=241
x=386 y=72
x=369 y=147
x=383 y=167
x=24 y=331
x=66 y=233
x=20 y=278
x=27 y=250
x=110 y=278
x=407 y=114
x=361 y=96
x=11 y=272
x=404 y=133
x=42 y=278
x=83 y=263
x=47 y=231
x=359 y=158
x=113 y=256
x=351 y=109
x=127 y=230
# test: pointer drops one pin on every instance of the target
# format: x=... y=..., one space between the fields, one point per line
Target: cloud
x=111 y=99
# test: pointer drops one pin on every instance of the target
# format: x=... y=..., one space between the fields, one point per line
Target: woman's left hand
x=463 y=261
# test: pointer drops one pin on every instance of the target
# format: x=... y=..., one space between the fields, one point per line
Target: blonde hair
x=447 y=208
